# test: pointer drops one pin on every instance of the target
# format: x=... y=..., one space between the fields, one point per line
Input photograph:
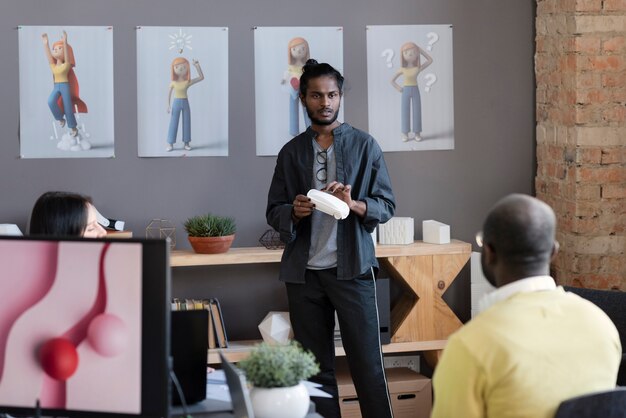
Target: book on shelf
x=207 y=305
x=216 y=331
x=218 y=323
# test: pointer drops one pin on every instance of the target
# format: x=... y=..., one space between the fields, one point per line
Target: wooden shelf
x=421 y=320
x=254 y=255
x=239 y=350
x=243 y=255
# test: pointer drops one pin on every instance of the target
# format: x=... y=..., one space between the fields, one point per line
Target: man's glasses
x=322 y=158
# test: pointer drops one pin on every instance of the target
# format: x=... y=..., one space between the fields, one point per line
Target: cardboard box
x=410 y=392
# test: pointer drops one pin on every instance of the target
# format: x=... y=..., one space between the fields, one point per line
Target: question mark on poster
x=432 y=39
x=430 y=80
x=388 y=55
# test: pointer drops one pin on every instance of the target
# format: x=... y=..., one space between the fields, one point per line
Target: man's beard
x=324 y=122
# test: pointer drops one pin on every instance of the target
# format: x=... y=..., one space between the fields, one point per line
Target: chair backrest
x=612 y=302
x=609 y=404
x=240 y=397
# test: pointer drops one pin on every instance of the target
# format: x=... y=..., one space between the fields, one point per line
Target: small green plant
x=273 y=366
x=210 y=226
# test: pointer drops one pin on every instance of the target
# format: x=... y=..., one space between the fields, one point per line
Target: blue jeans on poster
x=411 y=93
x=294 y=115
x=178 y=106
x=63 y=90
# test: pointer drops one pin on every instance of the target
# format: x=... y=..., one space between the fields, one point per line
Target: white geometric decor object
x=276 y=328
x=396 y=231
x=435 y=232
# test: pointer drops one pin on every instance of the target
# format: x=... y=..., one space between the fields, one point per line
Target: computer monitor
x=236 y=381
x=84 y=327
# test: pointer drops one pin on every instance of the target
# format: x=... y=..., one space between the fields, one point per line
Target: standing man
x=533 y=345
x=329 y=265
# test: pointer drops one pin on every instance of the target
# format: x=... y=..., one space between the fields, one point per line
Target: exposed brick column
x=580 y=66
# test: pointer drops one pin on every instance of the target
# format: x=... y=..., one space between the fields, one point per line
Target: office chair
x=613 y=303
x=609 y=404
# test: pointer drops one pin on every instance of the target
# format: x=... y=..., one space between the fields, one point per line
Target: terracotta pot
x=211 y=245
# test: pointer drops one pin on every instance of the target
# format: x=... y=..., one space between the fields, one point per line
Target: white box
x=397 y=230
x=435 y=232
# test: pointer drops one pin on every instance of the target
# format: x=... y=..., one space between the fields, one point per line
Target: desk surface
x=212 y=408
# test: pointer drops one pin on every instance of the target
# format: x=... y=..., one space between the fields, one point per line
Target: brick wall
x=580 y=67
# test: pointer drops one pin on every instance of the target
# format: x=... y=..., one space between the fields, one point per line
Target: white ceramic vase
x=289 y=402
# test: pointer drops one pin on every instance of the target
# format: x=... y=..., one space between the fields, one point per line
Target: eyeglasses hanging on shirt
x=322 y=158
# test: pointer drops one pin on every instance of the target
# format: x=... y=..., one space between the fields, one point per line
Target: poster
x=66 y=92
x=279 y=54
x=410 y=87
x=182 y=91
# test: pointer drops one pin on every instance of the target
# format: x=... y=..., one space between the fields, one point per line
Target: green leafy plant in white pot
x=276 y=373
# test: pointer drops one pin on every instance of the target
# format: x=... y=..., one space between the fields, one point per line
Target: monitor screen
x=84 y=327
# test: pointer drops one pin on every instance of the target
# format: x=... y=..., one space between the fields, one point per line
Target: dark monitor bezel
x=155 y=363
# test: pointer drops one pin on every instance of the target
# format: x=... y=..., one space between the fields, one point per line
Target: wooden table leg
x=421 y=314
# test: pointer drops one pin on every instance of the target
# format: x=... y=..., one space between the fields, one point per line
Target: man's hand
x=342 y=192
x=302 y=207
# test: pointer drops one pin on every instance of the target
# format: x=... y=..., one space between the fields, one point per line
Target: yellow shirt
x=294 y=71
x=409 y=76
x=60 y=72
x=180 y=89
x=525 y=355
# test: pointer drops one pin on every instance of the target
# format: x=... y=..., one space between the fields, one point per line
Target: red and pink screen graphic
x=70 y=325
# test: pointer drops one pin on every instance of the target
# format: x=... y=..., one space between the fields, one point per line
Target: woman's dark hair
x=313 y=69
x=59 y=214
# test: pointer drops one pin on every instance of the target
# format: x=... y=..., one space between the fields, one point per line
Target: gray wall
x=494 y=128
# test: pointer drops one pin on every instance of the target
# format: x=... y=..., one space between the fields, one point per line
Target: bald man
x=533 y=345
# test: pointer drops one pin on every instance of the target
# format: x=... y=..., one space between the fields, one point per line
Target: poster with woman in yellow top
x=416 y=62
x=297 y=55
x=182 y=91
x=181 y=81
x=61 y=117
x=279 y=55
x=411 y=65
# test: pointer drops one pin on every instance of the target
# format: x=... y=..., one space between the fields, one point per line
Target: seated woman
x=65 y=214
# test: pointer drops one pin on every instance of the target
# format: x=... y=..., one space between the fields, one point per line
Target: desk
x=420 y=320
x=211 y=408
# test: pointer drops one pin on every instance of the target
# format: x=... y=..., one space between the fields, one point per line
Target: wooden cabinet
x=420 y=320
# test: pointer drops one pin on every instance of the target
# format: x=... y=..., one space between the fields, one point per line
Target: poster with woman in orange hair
x=64 y=100
x=297 y=55
x=279 y=112
x=181 y=81
x=410 y=87
x=187 y=68
x=60 y=117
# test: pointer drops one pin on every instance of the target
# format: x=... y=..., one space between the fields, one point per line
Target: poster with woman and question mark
x=182 y=91
x=410 y=87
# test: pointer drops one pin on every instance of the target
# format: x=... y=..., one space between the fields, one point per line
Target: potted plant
x=276 y=373
x=210 y=234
